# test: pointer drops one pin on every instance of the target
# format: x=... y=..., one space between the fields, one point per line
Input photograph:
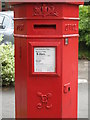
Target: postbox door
x=44 y=80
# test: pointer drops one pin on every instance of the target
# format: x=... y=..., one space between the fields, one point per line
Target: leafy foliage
x=84 y=24
x=7 y=63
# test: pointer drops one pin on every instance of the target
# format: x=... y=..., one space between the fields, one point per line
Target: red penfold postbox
x=46 y=59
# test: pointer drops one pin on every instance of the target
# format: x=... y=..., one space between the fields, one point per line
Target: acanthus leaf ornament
x=45 y=10
x=44 y=100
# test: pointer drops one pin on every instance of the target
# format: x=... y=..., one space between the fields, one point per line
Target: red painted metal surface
x=41 y=94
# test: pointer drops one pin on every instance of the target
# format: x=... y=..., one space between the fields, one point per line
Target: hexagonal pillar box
x=46 y=59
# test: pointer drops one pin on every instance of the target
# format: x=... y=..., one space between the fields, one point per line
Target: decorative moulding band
x=60 y=18
x=44 y=36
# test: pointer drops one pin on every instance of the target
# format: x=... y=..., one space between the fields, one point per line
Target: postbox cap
x=78 y=2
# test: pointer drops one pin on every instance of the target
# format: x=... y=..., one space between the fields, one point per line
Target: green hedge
x=84 y=26
x=84 y=31
x=7 y=63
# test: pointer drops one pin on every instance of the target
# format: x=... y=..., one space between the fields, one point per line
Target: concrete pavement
x=8 y=95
